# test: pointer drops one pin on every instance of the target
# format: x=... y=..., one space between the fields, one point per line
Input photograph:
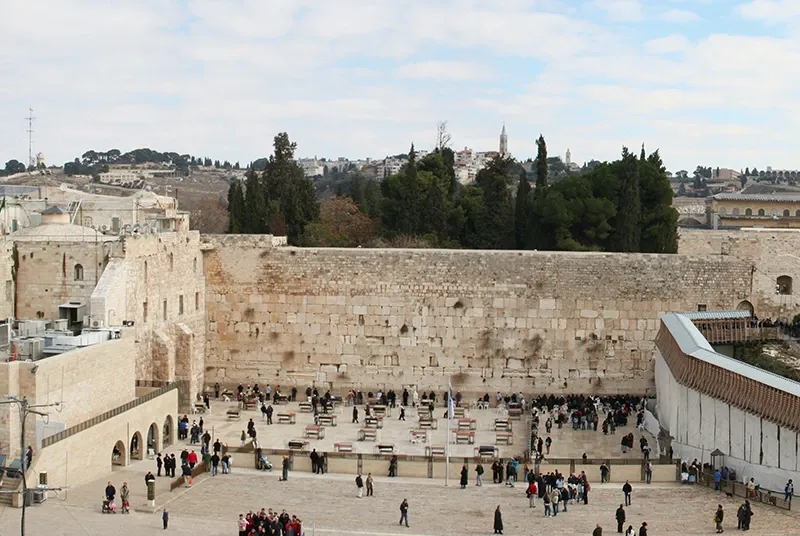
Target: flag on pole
x=450 y=401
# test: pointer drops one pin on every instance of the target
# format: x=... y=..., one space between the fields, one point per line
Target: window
x=783 y=285
x=748 y=212
x=194 y=264
x=145 y=271
x=171 y=262
x=180 y=304
x=723 y=211
x=797 y=214
x=761 y=212
x=774 y=212
x=87 y=221
x=144 y=311
x=736 y=212
x=786 y=213
x=196 y=301
x=78 y=272
x=165 y=310
x=701 y=307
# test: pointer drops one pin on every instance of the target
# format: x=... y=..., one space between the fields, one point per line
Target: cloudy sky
x=712 y=82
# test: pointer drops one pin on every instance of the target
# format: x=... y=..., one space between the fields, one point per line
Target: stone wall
x=6 y=279
x=771 y=253
x=45 y=275
x=368 y=318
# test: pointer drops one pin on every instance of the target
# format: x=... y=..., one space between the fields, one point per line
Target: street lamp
x=25 y=409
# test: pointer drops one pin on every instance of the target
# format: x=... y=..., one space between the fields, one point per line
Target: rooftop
x=776 y=198
x=60 y=232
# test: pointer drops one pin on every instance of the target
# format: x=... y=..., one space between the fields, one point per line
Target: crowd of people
x=269 y=523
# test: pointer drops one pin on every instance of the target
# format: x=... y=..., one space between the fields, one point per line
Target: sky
x=707 y=82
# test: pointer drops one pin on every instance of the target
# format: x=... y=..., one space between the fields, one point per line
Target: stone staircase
x=8 y=484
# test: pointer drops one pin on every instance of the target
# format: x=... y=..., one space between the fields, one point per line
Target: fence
x=72 y=430
x=738 y=489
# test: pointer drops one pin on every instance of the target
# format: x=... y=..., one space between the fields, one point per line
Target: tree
x=541 y=165
x=522 y=212
x=340 y=224
x=659 y=219
x=14 y=166
x=442 y=136
x=256 y=209
x=627 y=228
x=236 y=215
x=207 y=215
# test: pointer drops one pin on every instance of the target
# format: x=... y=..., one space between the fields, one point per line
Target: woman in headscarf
x=498 y=521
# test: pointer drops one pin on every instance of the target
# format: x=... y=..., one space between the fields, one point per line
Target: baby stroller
x=109 y=507
x=266 y=465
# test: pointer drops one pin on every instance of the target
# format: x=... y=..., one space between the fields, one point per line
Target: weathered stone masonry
x=494 y=320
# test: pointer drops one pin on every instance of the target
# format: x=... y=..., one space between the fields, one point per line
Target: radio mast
x=30 y=119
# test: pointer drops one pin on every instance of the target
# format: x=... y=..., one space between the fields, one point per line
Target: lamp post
x=25 y=409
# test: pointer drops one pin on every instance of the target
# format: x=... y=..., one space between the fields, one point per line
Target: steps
x=8 y=484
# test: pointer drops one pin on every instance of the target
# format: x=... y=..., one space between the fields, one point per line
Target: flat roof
x=786 y=198
x=717 y=315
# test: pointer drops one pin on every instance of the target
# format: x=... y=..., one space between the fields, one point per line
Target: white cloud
x=355 y=78
x=679 y=16
x=772 y=11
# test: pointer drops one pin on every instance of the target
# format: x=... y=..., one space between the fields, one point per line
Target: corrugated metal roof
x=717 y=315
x=692 y=343
x=786 y=198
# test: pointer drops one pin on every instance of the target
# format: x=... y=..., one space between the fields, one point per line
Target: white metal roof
x=717 y=315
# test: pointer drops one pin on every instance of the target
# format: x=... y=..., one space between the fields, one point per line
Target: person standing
x=464 y=476
x=404 y=512
x=626 y=490
x=214 y=464
x=125 y=495
x=269 y=414
x=788 y=491
x=285 y=469
x=159 y=464
x=370 y=489
x=718 y=517
x=165 y=518
x=359 y=486
x=498 y=521
x=402 y=413
x=598 y=531
x=478 y=474
x=620 y=518
x=314 y=460
x=643 y=529
x=355 y=414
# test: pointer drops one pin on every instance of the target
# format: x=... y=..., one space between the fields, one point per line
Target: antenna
x=30 y=119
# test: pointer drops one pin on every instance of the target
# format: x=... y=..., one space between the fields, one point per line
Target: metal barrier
x=738 y=489
x=72 y=430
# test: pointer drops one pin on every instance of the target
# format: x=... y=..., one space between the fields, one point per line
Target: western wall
x=491 y=320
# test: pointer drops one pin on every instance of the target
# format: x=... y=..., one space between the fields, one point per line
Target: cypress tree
x=629 y=209
x=541 y=165
x=255 y=206
x=235 y=208
x=521 y=211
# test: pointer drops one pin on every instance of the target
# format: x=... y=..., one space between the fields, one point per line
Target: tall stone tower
x=568 y=160
x=503 y=141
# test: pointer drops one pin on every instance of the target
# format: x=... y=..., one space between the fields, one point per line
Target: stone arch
x=745 y=306
x=783 y=285
x=137 y=447
x=168 y=432
x=119 y=455
x=786 y=213
x=78 y=272
x=797 y=214
x=748 y=212
x=762 y=212
x=153 y=439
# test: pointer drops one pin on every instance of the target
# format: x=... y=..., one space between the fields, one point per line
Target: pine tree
x=522 y=211
x=541 y=165
x=255 y=206
x=235 y=208
x=629 y=212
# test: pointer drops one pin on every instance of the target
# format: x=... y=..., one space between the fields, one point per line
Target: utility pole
x=25 y=409
x=30 y=119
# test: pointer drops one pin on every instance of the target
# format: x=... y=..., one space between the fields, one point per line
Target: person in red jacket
x=531 y=492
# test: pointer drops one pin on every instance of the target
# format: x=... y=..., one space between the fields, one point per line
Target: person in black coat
x=464 y=476
x=620 y=518
x=498 y=521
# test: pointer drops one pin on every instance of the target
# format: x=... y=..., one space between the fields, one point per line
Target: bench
x=306 y=407
x=428 y=424
x=384 y=448
x=282 y=399
x=199 y=407
x=296 y=444
x=250 y=404
x=459 y=412
x=464 y=436
x=343 y=447
x=367 y=434
x=373 y=422
x=467 y=424
x=515 y=413
x=418 y=436
x=286 y=418
x=504 y=438
x=381 y=411
x=326 y=420
x=372 y=401
x=486 y=451
x=233 y=414
x=434 y=450
x=502 y=425
x=315 y=432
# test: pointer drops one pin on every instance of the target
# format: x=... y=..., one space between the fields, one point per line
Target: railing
x=72 y=430
x=762 y=495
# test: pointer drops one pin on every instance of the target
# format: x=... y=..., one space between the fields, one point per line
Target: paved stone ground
x=328 y=504
x=567 y=443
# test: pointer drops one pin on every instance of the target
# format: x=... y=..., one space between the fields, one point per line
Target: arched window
x=786 y=213
x=748 y=212
x=783 y=285
x=78 y=272
x=797 y=214
x=736 y=211
x=723 y=211
x=87 y=221
x=761 y=212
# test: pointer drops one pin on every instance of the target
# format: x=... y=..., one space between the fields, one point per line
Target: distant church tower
x=503 y=141
x=568 y=161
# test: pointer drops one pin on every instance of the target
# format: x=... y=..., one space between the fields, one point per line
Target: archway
x=153 y=443
x=119 y=455
x=745 y=306
x=166 y=432
x=137 y=447
x=783 y=285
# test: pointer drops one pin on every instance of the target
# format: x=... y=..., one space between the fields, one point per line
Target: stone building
x=753 y=210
